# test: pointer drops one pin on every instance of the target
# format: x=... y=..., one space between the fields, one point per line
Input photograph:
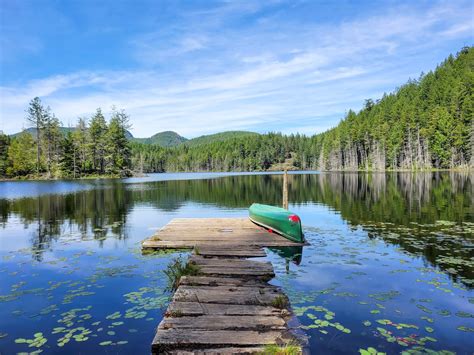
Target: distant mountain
x=32 y=131
x=218 y=137
x=165 y=139
x=64 y=130
x=170 y=139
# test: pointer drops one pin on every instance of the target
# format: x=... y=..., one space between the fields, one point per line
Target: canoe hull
x=279 y=220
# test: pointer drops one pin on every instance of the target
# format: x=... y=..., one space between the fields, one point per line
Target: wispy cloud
x=236 y=66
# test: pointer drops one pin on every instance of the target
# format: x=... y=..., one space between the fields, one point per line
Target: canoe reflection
x=293 y=254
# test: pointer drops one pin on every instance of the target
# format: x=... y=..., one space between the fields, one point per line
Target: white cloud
x=250 y=78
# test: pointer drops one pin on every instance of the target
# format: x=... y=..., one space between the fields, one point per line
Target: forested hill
x=427 y=123
x=219 y=137
x=63 y=130
x=170 y=139
x=164 y=139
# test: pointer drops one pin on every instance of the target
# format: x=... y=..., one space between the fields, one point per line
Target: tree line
x=426 y=123
x=93 y=147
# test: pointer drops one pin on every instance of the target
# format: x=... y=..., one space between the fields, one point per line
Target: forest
x=93 y=148
x=425 y=124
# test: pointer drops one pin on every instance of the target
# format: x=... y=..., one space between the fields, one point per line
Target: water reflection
x=290 y=254
x=426 y=214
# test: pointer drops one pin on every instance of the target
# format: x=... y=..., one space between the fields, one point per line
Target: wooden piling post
x=285 y=189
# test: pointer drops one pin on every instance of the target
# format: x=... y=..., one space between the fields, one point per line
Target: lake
x=390 y=265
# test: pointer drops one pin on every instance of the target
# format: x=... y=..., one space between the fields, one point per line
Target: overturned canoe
x=278 y=220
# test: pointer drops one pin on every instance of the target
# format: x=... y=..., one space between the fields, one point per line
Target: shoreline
x=104 y=177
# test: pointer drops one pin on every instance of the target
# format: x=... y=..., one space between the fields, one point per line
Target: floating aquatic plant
x=370 y=351
x=37 y=341
x=465 y=329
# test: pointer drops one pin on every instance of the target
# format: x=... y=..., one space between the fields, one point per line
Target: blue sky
x=200 y=67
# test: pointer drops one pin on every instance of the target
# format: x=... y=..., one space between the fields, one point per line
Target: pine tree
x=81 y=145
x=98 y=141
x=118 y=149
x=37 y=116
x=51 y=141
x=68 y=157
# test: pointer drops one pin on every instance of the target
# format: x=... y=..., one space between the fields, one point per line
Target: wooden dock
x=229 y=307
x=202 y=232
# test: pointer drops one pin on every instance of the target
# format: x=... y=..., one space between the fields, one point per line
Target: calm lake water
x=390 y=265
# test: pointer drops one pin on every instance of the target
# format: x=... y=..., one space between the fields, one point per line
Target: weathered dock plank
x=227 y=295
x=230 y=267
x=227 y=262
x=181 y=309
x=190 y=244
x=234 y=251
x=265 y=274
x=220 y=351
x=170 y=339
x=224 y=322
x=220 y=281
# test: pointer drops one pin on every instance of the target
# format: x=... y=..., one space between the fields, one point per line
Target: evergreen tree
x=4 y=161
x=69 y=157
x=81 y=145
x=51 y=141
x=98 y=141
x=37 y=116
x=118 y=149
x=21 y=153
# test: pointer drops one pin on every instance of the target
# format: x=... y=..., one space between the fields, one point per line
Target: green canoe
x=278 y=220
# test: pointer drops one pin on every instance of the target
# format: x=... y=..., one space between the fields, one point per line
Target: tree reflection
x=401 y=208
